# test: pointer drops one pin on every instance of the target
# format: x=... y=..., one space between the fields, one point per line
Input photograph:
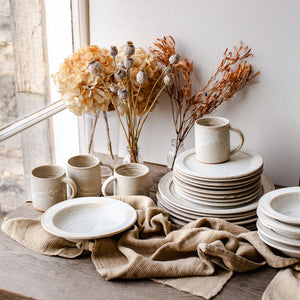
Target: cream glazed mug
x=85 y=170
x=48 y=186
x=212 y=140
x=129 y=179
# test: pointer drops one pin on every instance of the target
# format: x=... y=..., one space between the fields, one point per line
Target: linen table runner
x=198 y=258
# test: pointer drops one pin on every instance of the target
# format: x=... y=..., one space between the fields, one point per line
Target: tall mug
x=85 y=170
x=48 y=186
x=212 y=140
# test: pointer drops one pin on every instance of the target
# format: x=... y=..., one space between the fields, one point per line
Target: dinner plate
x=170 y=208
x=286 y=249
x=239 y=192
x=214 y=185
x=167 y=190
x=279 y=227
x=241 y=164
x=282 y=204
x=218 y=201
x=88 y=218
x=218 y=182
x=277 y=237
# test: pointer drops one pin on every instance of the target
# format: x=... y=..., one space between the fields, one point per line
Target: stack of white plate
x=279 y=220
x=229 y=190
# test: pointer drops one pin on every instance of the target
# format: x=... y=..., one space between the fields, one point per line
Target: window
x=31 y=49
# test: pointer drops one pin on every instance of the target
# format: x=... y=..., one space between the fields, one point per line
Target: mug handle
x=106 y=183
x=72 y=184
x=239 y=132
x=108 y=166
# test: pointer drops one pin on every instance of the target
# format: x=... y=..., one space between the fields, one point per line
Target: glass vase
x=172 y=153
x=133 y=156
x=105 y=130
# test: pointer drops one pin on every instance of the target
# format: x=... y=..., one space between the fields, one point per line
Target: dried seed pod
x=128 y=62
x=129 y=49
x=95 y=68
x=113 y=88
x=120 y=74
x=123 y=93
x=169 y=79
x=113 y=51
x=174 y=59
x=141 y=77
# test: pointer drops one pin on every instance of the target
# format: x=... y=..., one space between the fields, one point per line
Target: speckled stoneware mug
x=85 y=170
x=129 y=179
x=48 y=186
x=212 y=140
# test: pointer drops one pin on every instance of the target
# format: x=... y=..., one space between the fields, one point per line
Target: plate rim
x=180 y=166
x=50 y=213
x=265 y=205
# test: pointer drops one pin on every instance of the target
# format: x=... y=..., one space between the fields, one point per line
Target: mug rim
x=62 y=172
x=98 y=162
x=136 y=165
x=226 y=122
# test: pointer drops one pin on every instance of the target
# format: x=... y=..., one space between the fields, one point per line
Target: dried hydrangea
x=82 y=90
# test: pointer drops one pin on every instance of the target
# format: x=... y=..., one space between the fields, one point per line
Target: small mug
x=48 y=186
x=129 y=179
x=85 y=170
x=212 y=140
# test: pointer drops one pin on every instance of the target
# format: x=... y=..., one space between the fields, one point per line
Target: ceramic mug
x=212 y=140
x=85 y=170
x=48 y=186
x=129 y=179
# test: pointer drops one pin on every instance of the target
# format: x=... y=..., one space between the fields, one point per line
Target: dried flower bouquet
x=232 y=74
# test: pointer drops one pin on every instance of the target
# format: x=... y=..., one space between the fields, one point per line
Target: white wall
x=267 y=112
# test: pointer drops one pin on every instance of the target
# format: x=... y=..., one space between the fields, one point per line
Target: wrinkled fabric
x=198 y=258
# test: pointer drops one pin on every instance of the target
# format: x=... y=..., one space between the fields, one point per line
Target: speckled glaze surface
x=212 y=140
x=48 y=186
x=85 y=170
x=129 y=179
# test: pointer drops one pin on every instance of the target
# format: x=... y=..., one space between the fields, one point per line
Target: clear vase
x=99 y=145
x=172 y=153
x=133 y=156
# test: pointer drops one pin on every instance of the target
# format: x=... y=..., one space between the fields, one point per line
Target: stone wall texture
x=11 y=162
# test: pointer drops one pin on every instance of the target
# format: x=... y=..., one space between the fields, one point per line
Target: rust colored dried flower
x=129 y=49
x=141 y=77
x=113 y=51
x=81 y=90
x=120 y=74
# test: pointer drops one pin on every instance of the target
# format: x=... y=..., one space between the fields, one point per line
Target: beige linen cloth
x=198 y=258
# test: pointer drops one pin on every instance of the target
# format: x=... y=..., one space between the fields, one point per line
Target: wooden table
x=25 y=274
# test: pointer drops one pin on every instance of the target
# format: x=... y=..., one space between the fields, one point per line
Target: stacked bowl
x=228 y=190
x=279 y=220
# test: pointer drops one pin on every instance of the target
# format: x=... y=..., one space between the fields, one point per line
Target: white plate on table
x=268 y=232
x=286 y=249
x=284 y=229
x=167 y=190
x=215 y=185
x=241 y=164
x=240 y=192
x=194 y=215
x=283 y=205
x=88 y=218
